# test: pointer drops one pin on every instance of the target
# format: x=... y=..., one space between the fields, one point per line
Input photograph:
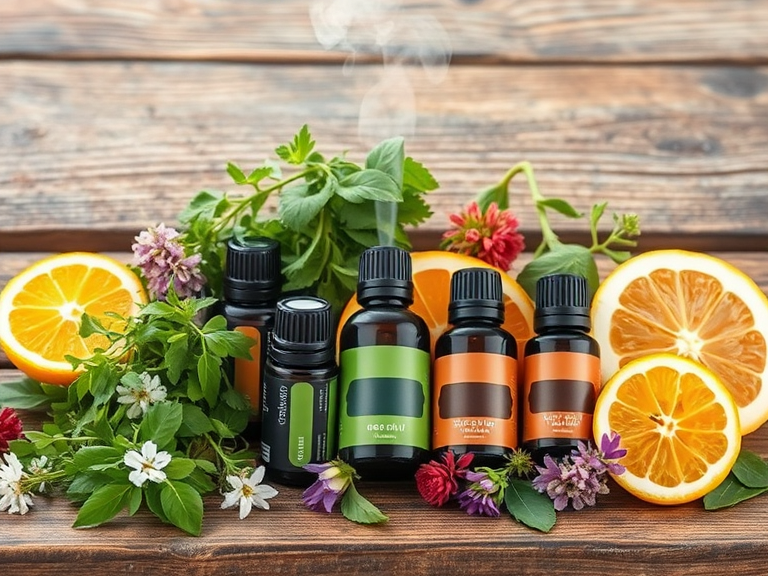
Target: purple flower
x=609 y=446
x=333 y=479
x=161 y=257
x=482 y=496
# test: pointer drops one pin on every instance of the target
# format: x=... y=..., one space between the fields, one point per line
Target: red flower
x=10 y=428
x=437 y=482
x=492 y=236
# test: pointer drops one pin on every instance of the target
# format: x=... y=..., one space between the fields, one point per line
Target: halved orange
x=432 y=272
x=41 y=308
x=693 y=305
x=678 y=423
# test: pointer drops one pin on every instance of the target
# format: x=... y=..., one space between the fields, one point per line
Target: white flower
x=148 y=464
x=39 y=466
x=140 y=397
x=249 y=492
x=13 y=498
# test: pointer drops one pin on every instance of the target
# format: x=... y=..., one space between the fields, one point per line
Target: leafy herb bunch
x=152 y=419
x=326 y=213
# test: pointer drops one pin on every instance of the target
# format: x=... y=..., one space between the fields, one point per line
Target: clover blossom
x=141 y=395
x=491 y=236
x=147 y=464
x=248 y=491
x=333 y=479
x=10 y=428
x=13 y=494
x=162 y=260
x=486 y=491
x=438 y=482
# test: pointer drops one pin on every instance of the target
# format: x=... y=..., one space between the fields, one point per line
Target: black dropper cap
x=562 y=300
x=385 y=272
x=252 y=270
x=476 y=293
x=303 y=334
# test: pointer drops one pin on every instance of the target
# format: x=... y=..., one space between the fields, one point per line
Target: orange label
x=559 y=393
x=248 y=372
x=475 y=400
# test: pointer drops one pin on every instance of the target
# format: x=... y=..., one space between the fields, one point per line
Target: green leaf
x=90 y=325
x=369 y=184
x=298 y=206
x=209 y=373
x=205 y=205
x=179 y=468
x=28 y=394
x=359 y=509
x=103 y=505
x=176 y=357
x=596 y=214
x=297 y=151
x=152 y=496
x=194 y=422
x=417 y=177
x=262 y=172
x=236 y=173
x=413 y=210
x=85 y=484
x=160 y=423
x=94 y=455
x=751 y=470
x=234 y=420
x=560 y=206
x=529 y=506
x=563 y=259
x=215 y=324
x=389 y=157
x=729 y=493
x=157 y=308
x=182 y=506
x=497 y=193
x=134 y=502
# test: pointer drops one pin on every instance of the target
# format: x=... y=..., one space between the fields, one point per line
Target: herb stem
x=228 y=464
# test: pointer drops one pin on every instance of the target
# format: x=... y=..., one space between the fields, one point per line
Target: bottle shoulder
x=385 y=326
x=476 y=338
x=563 y=341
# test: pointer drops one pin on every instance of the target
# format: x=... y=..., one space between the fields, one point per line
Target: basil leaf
x=176 y=358
x=369 y=184
x=103 y=505
x=179 y=468
x=208 y=370
x=92 y=455
x=182 y=506
x=564 y=258
x=528 y=506
x=160 y=423
x=152 y=494
x=359 y=509
x=134 y=501
x=28 y=394
x=389 y=157
x=751 y=470
x=729 y=493
x=194 y=422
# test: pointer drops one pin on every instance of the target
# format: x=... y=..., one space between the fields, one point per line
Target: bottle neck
x=477 y=322
x=544 y=330
x=384 y=302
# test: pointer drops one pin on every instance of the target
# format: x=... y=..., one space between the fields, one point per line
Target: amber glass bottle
x=562 y=369
x=384 y=365
x=474 y=407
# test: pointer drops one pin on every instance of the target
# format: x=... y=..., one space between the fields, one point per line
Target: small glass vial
x=384 y=428
x=251 y=287
x=561 y=368
x=475 y=373
x=299 y=396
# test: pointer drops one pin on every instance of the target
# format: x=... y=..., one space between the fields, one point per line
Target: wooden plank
x=493 y=30
x=114 y=147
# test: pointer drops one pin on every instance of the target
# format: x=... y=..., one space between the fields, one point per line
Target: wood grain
x=492 y=31
x=114 y=147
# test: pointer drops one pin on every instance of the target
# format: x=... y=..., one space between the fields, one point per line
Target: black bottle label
x=298 y=423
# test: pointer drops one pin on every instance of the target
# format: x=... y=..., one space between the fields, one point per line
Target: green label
x=300 y=436
x=384 y=397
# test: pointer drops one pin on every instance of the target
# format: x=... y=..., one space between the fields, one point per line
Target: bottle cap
x=303 y=333
x=385 y=272
x=562 y=300
x=252 y=270
x=476 y=293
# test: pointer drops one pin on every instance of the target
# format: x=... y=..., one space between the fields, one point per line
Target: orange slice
x=432 y=272
x=692 y=305
x=678 y=423
x=40 y=311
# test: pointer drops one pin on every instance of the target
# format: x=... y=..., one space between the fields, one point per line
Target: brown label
x=475 y=400
x=248 y=372
x=559 y=393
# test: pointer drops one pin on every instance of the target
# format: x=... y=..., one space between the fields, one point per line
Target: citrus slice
x=432 y=272
x=678 y=423
x=41 y=308
x=692 y=305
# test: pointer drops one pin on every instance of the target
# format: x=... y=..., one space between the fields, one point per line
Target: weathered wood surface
x=109 y=148
x=492 y=30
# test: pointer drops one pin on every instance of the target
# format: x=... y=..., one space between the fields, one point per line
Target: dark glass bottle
x=384 y=372
x=299 y=400
x=475 y=373
x=562 y=369
x=251 y=287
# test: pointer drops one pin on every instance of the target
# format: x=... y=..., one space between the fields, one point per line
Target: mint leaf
x=751 y=470
x=103 y=505
x=417 y=177
x=562 y=259
x=729 y=493
x=560 y=206
x=388 y=156
x=182 y=506
x=369 y=184
x=160 y=423
x=359 y=509
x=204 y=206
x=297 y=151
x=413 y=210
x=298 y=206
x=529 y=506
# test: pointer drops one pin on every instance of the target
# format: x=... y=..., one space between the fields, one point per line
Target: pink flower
x=10 y=428
x=437 y=482
x=492 y=236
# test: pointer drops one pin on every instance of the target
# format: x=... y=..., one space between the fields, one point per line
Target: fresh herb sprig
x=156 y=393
x=326 y=213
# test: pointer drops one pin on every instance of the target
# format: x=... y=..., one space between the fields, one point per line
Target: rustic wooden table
x=114 y=112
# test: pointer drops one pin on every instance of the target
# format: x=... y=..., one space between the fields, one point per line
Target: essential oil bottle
x=251 y=287
x=475 y=373
x=562 y=369
x=384 y=427
x=299 y=396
